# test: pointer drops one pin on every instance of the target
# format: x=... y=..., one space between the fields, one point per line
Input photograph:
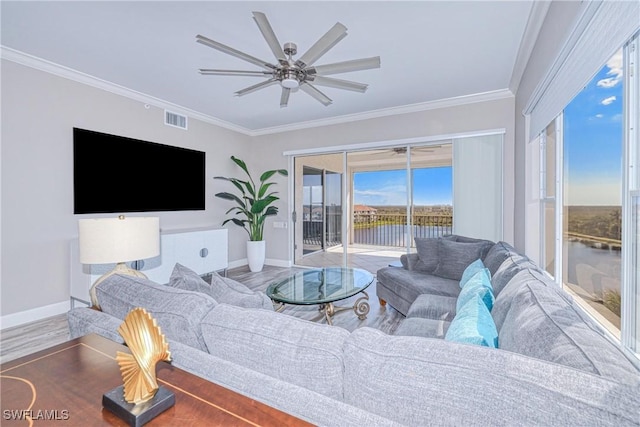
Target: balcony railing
x=391 y=230
x=312 y=231
x=379 y=229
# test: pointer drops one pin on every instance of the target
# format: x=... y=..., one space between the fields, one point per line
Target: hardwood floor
x=29 y=338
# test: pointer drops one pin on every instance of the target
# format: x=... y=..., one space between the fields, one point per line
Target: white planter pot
x=255 y=255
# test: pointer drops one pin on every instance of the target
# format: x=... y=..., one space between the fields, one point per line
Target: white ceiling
x=430 y=51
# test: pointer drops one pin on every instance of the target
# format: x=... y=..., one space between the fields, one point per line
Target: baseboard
x=27 y=316
x=278 y=262
x=269 y=261
x=238 y=263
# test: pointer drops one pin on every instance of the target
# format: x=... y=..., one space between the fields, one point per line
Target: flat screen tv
x=118 y=174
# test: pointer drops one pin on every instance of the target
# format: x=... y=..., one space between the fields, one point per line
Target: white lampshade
x=117 y=240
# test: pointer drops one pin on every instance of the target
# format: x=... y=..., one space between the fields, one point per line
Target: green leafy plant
x=254 y=203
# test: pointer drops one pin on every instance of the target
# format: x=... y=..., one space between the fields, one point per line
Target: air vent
x=175 y=120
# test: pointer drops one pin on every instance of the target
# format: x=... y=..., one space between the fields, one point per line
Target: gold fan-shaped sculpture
x=148 y=346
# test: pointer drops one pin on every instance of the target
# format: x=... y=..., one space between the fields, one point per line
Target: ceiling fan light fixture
x=290 y=83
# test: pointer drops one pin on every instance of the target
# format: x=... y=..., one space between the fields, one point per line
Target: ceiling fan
x=293 y=74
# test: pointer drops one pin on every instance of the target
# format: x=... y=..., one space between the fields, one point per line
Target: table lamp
x=118 y=240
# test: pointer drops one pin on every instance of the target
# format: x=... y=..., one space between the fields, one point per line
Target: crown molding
x=71 y=74
x=392 y=111
x=537 y=16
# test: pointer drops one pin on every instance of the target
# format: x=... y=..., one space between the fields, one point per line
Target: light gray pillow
x=427 y=249
x=187 y=279
x=222 y=289
x=235 y=293
x=454 y=257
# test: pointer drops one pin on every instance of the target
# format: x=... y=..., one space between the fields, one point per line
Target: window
x=548 y=184
x=592 y=142
x=590 y=197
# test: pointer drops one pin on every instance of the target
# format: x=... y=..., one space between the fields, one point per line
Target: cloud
x=385 y=195
x=608 y=100
x=599 y=116
x=615 y=70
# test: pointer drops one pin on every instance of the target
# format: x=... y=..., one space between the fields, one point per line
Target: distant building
x=363 y=213
x=312 y=215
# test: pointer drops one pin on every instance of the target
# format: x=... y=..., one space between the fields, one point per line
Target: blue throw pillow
x=471 y=269
x=473 y=324
x=479 y=284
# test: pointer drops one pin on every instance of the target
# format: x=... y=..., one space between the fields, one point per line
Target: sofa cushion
x=544 y=323
x=497 y=254
x=421 y=327
x=503 y=301
x=478 y=285
x=222 y=289
x=409 y=285
x=295 y=350
x=454 y=257
x=508 y=269
x=177 y=311
x=417 y=382
x=427 y=249
x=437 y=307
x=473 y=324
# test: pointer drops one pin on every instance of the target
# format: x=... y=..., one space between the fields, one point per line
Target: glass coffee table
x=323 y=287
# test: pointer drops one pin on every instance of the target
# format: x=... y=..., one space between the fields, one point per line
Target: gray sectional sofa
x=553 y=366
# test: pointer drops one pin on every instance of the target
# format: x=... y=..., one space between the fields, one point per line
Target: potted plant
x=253 y=206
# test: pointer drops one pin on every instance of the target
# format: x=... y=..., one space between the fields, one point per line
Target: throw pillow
x=427 y=249
x=478 y=285
x=229 y=291
x=473 y=324
x=221 y=289
x=188 y=280
x=454 y=257
x=470 y=271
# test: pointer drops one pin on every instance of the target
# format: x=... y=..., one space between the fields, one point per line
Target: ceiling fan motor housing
x=290 y=49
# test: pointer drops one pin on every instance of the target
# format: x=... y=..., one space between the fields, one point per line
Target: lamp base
x=142 y=413
x=120 y=268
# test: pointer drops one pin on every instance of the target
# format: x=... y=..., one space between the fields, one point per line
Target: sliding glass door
x=318 y=215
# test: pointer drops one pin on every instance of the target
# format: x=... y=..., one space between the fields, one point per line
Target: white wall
x=496 y=114
x=39 y=111
x=560 y=18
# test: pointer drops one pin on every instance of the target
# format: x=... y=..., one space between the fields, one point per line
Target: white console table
x=201 y=250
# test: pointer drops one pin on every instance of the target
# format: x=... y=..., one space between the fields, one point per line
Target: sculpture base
x=138 y=415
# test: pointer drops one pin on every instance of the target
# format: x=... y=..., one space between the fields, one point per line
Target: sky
x=431 y=186
x=593 y=140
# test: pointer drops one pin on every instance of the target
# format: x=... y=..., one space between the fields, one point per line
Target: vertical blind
x=603 y=28
x=477 y=187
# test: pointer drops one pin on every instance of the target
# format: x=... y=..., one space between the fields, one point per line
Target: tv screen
x=118 y=174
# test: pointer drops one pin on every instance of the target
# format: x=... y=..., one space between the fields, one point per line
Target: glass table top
x=320 y=286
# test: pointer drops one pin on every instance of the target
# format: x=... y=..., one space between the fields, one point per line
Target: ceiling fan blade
x=315 y=93
x=211 y=72
x=284 y=98
x=233 y=52
x=256 y=87
x=339 y=84
x=326 y=42
x=346 y=66
x=269 y=36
